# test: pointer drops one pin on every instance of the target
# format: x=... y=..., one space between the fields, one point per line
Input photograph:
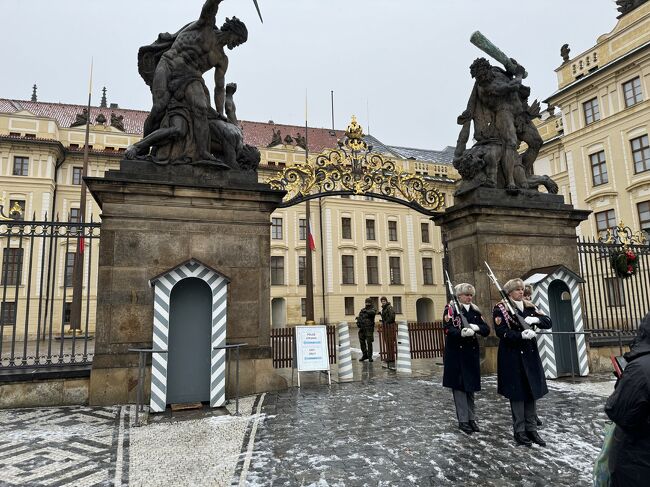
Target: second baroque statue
x=183 y=127
x=502 y=119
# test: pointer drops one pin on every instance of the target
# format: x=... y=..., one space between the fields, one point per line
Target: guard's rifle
x=507 y=301
x=457 y=307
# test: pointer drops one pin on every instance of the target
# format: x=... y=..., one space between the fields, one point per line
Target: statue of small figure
x=80 y=119
x=117 y=121
x=276 y=138
x=231 y=111
x=300 y=141
x=178 y=128
x=101 y=119
x=564 y=52
x=626 y=6
x=288 y=140
x=502 y=119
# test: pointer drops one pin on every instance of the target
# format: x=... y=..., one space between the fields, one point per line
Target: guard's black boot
x=474 y=426
x=538 y=421
x=522 y=439
x=535 y=438
x=465 y=428
x=370 y=359
x=363 y=357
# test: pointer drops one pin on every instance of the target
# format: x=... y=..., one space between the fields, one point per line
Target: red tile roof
x=258 y=134
x=65 y=114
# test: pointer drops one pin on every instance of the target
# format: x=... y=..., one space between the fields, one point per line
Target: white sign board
x=311 y=348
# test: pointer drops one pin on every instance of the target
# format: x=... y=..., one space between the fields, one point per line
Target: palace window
x=302 y=263
x=349 y=305
x=372 y=267
x=632 y=92
x=302 y=229
x=599 y=168
x=277 y=270
x=346 y=227
x=77 y=174
x=21 y=166
x=424 y=230
x=395 y=270
x=641 y=153
x=592 y=111
x=303 y=306
x=644 y=216
x=69 y=268
x=347 y=269
x=67 y=312
x=375 y=302
x=427 y=270
x=614 y=291
x=370 y=229
x=16 y=215
x=7 y=314
x=276 y=228
x=392 y=230
x=12 y=264
x=604 y=220
x=397 y=305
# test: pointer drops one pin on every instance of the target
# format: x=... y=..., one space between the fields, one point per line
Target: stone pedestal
x=512 y=233
x=154 y=218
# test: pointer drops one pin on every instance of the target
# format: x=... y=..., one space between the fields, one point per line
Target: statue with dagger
x=182 y=124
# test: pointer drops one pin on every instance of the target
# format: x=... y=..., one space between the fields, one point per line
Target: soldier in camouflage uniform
x=389 y=330
x=366 y=324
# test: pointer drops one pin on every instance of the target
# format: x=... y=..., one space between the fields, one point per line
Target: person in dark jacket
x=366 y=324
x=629 y=408
x=462 y=371
x=520 y=375
x=389 y=328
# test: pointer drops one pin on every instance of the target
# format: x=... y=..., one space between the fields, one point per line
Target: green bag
x=601 y=466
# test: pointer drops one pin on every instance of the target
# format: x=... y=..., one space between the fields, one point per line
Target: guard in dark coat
x=462 y=372
x=366 y=324
x=520 y=375
x=629 y=408
x=389 y=328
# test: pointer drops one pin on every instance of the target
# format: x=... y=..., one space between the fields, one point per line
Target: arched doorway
x=424 y=310
x=190 y=322
x=278 y=313
x=559 y=297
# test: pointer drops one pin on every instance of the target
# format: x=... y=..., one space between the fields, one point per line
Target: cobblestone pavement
x=382 y=431
x=403 y=432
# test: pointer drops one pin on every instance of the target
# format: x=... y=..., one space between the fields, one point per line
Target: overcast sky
x=400 y=65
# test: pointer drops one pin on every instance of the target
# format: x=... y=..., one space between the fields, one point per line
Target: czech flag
x=310 y=237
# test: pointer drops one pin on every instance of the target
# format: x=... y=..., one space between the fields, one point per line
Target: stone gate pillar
x=154 y=217
x=513 y=233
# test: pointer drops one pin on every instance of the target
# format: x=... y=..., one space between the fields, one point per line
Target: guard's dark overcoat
x=520 y=375
x=462 y=361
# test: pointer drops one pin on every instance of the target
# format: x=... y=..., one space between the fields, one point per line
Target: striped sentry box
x=545 y=342
x=163 y=285
x=344 y=359
x=403 y=364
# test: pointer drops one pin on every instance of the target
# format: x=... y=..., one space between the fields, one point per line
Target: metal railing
x=36 y=293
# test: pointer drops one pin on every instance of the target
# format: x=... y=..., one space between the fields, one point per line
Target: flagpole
x=77 y=269
x=309 y=272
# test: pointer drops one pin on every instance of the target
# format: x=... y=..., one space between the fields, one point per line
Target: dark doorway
x=424 y=310
x=559 y=297
x=188 y=367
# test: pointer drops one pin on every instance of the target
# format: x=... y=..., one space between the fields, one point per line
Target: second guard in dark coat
x=462 y=368
x=520 y=375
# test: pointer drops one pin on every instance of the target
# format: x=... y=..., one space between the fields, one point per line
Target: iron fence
x=612 y=303
x=37 y=293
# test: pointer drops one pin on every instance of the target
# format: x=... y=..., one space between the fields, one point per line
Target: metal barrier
x=427 y=339
x=236 y=346
x=139 y=406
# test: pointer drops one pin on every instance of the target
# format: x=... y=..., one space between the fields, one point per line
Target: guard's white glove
x=474 y=327
x=528 y=334
x=467 y=332
x=531 y=320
